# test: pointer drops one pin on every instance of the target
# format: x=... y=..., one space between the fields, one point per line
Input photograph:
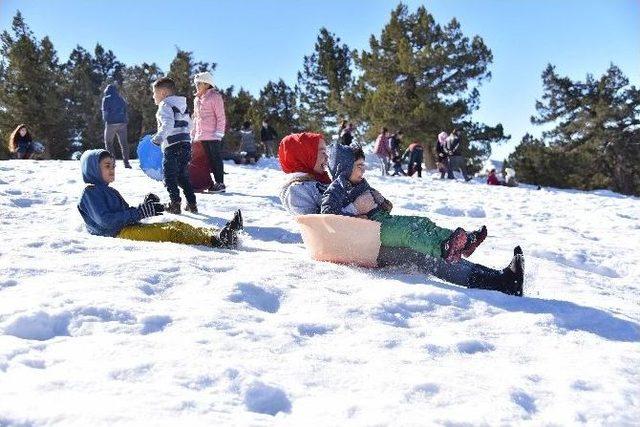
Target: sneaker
x=226 y=238
x=236 y=221
x=193 y=208
x=173 y=207
x=218 y=187
x=473 y=241
x=452 y=247
x=514 y=274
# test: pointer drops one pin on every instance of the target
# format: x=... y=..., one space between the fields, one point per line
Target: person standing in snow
x=21 y=142
x=268 y=137
x=382 y=151
x=395 y=142
x=248 y=144
x=345 y=134
x=456 y=160
x=303 y=157
x=442 y=159
x=415 y=153
x=209 y=124
x=114 y=115
x=106 y=213
x=173 y=137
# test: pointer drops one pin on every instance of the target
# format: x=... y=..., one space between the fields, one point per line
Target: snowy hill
x=101 y=331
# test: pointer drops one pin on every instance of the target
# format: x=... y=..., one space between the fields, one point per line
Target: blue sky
x=257 y=41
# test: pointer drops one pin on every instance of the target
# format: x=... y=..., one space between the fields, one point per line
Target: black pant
x=214 y=154
x=176 y=172
x=463 y=272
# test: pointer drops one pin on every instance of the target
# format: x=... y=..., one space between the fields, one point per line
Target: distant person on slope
x=303 y=157
x=382 y=151
x=106 y=213
x=114 y=115
x=415 y=153
x=268 y=137
x=21 y=142
x=248 y=144
x=456 y=160
x=442 y=160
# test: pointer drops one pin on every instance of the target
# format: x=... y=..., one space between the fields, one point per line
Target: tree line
x=416 y=75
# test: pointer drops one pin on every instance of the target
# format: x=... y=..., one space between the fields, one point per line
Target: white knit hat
x=205 y=77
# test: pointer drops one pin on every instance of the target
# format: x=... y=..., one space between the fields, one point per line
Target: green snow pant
x=415 y=232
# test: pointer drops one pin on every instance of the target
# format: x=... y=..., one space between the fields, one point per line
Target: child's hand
x=150 y=208
x=365 y=203
x=151 y=198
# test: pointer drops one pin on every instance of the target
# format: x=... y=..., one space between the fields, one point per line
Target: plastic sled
x=150 y=156
x=199 y=168
x=341 y=239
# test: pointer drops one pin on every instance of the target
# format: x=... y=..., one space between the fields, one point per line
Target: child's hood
x=90 y=165
x=111 y=90
x=341 y=160
x=180 y=102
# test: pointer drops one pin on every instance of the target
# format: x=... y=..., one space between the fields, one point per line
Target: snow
x=102 y=331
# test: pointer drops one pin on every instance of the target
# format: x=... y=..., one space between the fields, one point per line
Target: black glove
x=151 y=198
x=149 y=209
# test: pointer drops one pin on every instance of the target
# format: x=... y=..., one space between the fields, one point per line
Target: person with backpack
x=114 y=115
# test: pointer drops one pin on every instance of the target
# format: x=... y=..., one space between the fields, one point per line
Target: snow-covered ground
x=102 y=331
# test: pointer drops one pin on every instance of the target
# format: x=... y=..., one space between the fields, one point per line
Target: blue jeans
x=176 y=172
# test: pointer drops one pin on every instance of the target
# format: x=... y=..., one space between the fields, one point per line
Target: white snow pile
x=103 y=331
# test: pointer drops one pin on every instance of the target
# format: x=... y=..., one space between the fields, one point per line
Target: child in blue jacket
x=350 y=194
x=106 y=213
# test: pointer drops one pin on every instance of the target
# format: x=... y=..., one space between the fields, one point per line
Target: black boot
x=513 y=275
x=236 y=221
x=225 y=238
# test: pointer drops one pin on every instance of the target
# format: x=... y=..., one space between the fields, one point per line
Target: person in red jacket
x=492 y=178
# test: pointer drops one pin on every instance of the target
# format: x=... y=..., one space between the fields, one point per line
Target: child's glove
x=151 y=198
x=148 y=209
x=381 y=201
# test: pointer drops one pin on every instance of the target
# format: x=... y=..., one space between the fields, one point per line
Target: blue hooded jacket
x=341 y=192
x=114 y=108
x=103 y=209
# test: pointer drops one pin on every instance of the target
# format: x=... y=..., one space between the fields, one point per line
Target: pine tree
x=596 y=133
x=324 y=82
x=31 y=89
x=423 y=78
x=278 y=103
x=182 y=70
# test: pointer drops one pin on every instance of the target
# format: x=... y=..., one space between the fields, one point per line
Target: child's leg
x=183 y=158
x=174 y=231
x=170 y=168
x=414 y=232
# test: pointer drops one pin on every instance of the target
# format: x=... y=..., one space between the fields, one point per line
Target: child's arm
x=221 y=118
x=105 y=108
x=97 y=209
x=166 y=120
x=335 y=196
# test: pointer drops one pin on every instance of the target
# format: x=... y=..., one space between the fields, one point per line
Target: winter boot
x=513 y=275
x=173 y=207
x=218 y=187
x=236 y=221
x=191 y=207
x=225 y=238
x=452 y=247
x=473 y=241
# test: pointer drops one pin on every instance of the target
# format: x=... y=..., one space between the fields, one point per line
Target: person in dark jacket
x=106 y=213
x=345 y=134
x=395 y=142
x=268 y=137
x=456 y=160
x=114 y=115
x=21 y=142
x=415 y=153
x=350 y=194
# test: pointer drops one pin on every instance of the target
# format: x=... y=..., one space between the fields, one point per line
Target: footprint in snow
x=256 y=297
x=265 y=399
x=474 y=346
